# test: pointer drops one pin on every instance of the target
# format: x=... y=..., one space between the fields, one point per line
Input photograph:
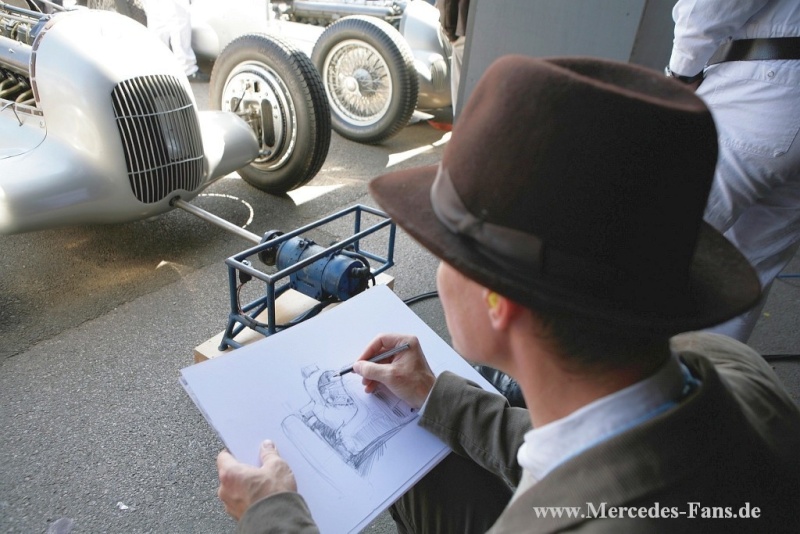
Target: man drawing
x=573 y=254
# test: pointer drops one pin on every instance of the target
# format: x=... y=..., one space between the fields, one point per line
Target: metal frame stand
x=240 y=267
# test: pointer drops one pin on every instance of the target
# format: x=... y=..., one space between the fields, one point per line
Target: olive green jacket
x=731 y=446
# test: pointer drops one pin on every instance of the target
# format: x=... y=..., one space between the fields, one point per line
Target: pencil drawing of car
x=354 y=431
x=379 y=60
x=98 y=123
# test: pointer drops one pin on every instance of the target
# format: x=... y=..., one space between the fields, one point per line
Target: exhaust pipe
x=15 y=56
x=304 y=8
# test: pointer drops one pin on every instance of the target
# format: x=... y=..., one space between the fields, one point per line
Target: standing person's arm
x=701 y=26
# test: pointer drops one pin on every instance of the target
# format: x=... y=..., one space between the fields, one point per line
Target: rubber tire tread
x=307 y=93
x=388 y=41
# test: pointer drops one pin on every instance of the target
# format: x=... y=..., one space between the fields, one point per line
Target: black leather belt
x=754 y=49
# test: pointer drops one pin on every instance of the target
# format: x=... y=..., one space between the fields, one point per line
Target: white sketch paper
x=353 y=454
x=356 y=431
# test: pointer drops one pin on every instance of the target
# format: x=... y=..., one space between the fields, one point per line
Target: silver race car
x=98 y=123
x=380 y=60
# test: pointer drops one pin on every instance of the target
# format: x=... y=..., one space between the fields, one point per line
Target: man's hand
x=406 y=374
x=241 y=485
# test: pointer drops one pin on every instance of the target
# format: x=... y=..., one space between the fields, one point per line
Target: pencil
x=375 y=359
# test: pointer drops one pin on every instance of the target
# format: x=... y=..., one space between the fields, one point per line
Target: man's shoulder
x=738 y=364
x=750 y=381
x=708 y=343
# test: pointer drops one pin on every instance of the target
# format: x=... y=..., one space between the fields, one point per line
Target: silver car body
x=216 y=23
x=110 y=132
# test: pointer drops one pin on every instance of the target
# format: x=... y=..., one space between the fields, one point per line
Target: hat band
x=523 y=253
x=508 y=243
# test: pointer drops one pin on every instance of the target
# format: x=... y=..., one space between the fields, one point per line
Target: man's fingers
x=225 y=460
x=267 y=450
x=371 y=371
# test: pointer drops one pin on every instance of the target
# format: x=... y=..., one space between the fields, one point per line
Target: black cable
x=780 y=357
x=421 y=297
x=308 y=314
x=363 y=259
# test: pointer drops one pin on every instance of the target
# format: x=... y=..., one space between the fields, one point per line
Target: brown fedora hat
x=579 y=184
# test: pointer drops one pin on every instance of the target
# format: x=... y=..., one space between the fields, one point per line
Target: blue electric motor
x=339 y=275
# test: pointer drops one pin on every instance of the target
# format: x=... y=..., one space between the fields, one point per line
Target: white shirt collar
x=548 y=446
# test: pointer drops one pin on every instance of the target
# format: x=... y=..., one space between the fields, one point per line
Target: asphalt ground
x=97 y=321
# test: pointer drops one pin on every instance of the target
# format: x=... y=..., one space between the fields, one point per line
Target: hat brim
x=722 y=282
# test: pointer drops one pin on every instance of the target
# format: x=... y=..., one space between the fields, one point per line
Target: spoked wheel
x=368 y=72
x=275 y=88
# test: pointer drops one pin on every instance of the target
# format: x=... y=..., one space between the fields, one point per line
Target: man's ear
x=500 y=309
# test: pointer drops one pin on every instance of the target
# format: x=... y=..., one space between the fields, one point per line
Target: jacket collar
x=647 y=459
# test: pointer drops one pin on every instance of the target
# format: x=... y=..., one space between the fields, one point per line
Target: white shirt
x=702 y=26
x=550 y=445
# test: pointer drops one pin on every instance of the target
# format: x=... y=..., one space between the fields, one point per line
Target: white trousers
x=755 y=199
x=170 y=20
x=456 y=61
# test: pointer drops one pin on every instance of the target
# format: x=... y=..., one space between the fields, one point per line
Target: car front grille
x=160 y=135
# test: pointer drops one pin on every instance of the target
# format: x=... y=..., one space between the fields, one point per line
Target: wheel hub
x=256 y=95
x=360 y=83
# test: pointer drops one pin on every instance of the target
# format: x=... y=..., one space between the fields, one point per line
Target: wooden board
x=288 y=306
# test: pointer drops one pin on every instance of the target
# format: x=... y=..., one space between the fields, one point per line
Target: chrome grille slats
x=160 y=136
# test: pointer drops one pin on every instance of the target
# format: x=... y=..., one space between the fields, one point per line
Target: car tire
x=257 y=73
x=368 y=72
x=129 y=8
